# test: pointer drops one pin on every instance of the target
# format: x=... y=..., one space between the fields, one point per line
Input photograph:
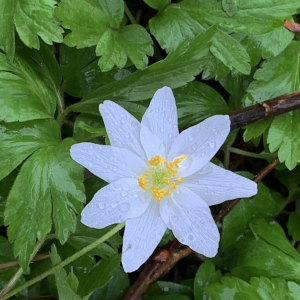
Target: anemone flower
x=159 y=178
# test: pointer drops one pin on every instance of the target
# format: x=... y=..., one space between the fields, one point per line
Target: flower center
x=161 y=178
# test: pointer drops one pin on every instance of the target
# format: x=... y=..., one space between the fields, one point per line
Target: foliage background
x=60 y=59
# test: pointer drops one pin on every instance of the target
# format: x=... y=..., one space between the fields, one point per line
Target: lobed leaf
x=48 y=185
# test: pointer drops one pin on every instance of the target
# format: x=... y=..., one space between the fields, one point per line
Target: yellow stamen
x=160 y=178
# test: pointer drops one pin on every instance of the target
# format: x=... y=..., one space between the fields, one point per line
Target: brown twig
x=292 y=26
x=265 y=110
x=155 y=269
x=16 y=263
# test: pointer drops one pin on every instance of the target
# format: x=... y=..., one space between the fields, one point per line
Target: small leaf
x=100 y=24
x=132 y=41
x=294 y=225
x=206 y=275
x=99 y=276
x=266 y=203
x=64 y=282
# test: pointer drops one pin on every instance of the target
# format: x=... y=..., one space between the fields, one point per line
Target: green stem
x=251 y=154
x=65 y=262
x=129 y=15
x=20 y=272
x=226 y=158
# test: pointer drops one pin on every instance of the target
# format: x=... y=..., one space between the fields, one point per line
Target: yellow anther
x=156 y=160
x=160 y=178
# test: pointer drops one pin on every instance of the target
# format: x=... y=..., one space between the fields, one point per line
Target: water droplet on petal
x=114 y=204
x=191 y=137
x=101 y=205
x=194 y=146
x=191 y=237
x=124 y=207
x=91 y=165
x=114 y=169
x=123 y=193
x=125 y=187
x=212 y=144
x=170 y=119
x=170 y=135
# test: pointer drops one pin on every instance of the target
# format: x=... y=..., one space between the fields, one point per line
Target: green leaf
x=266 y=203
x=31 y=20
x=230 y=7
x=265 y=45
x=206 y=275
x=256 y=129
x=294 y=225
x=100 y=24
x=132 y=41
x=113 y=10
x=165 y=288
x=284 y=135
x=64 y=282
x=81 y=71
x=263 y=16
x=259 y=289
x=24 y=95
x=44 y=64
x=277 y=76
x=230 y=52
x=294 y=290
x=271 y=81
x=167 y=237
x=99 y=276
x=19 y=140
x=231 y=288
x=172 y=20
x=178 y=68
x=157 y=4
x=115 y=288
x=197 y=101
x=48 y=174
x=7 y=32
x=84 y=236
x=267 y=253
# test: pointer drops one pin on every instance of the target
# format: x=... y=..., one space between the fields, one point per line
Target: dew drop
x=170 y=119
x=91 y=165
x=174 y=219
x=123 y=193
x=124 y=207
x=125 y=187
x=135 y=195
x=190 y=237
x=101 y=205
x=212 y=144
x=114 y=169
x=150 y=111
x=191 y=137
x=123 y=121
x=170 y=135
x=116 y=186
x=194 y=146
x=123 y=165
x=114 y=204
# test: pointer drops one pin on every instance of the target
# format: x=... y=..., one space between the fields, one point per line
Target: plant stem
x=251 y=154
x=61 y=106
x=226 y=158
x=66 y=261
x=129 y=15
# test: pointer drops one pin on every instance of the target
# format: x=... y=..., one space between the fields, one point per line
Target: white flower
x=159 y=179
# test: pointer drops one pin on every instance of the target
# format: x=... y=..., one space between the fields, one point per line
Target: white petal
x=107 y=162
x=216 y=185
x=159 y=125
x=190 y=219
x=200 y=143
x=141 y=237
x=122 y=128
x=115 y=203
